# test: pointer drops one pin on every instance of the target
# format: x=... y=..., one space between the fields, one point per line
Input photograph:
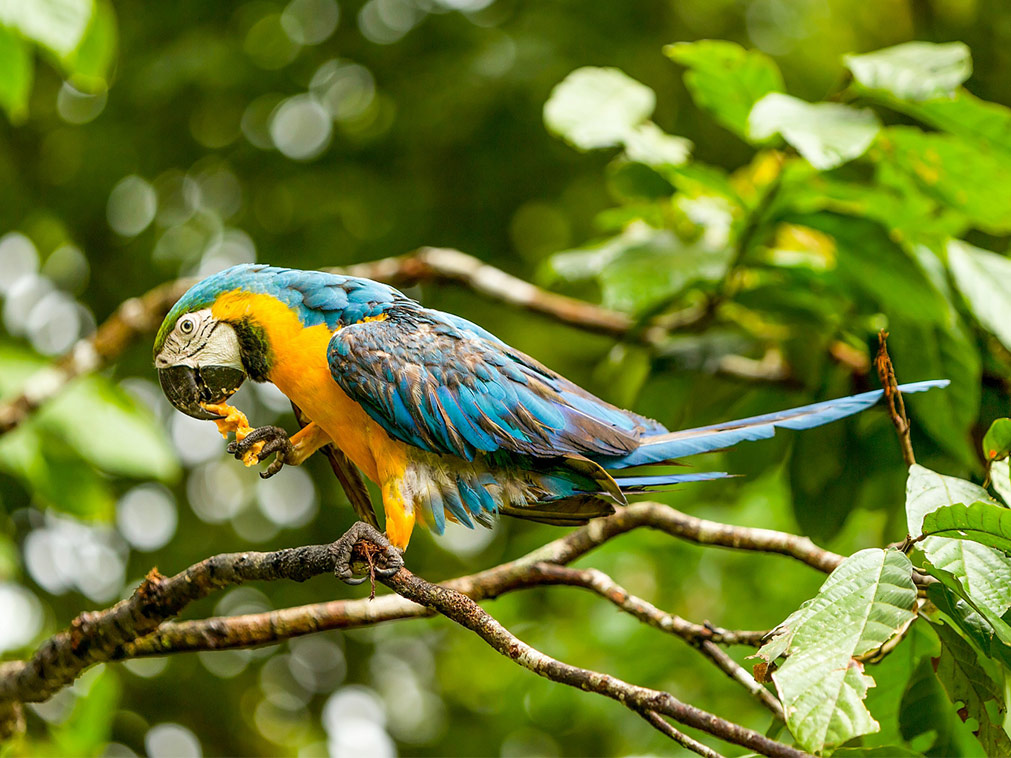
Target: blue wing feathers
x=489 y=397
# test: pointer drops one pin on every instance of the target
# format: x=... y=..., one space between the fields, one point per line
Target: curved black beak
x=186 y=387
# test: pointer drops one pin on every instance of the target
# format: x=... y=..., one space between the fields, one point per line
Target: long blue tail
x=668 y=446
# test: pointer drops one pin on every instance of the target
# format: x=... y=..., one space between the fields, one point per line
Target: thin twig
x=470 y=615
x=703 y=638
x=896 y=405
x=661 y=724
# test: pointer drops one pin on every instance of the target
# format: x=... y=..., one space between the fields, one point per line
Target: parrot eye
x=186 y=325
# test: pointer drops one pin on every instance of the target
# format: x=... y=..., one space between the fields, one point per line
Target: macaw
x=449 y=421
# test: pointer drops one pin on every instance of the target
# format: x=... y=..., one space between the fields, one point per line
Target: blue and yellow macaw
x=449 y=421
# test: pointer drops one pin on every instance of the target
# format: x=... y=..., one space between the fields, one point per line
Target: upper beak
x=188 y=388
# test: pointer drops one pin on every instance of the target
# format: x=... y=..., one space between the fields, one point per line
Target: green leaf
x=862 y=604
x=597 y=107
x=997 y=440
x=970 y=177
x=110 y=430
x=89 y=726
x=927 y=719
x=726 y=79
x=825 y=134
x=963 y=115
x=968 y=684
x=913 y=70
x=986 y=523
x=1000 y=479
x=997 y=627
x=54 y=474
x=949 y=598
x=869 y=262
x=892 y=675
x=983 y=573
x=649 y=144
x=16 y=70
x=984 y=279
x=58 y=25
x=642 y=267
x=89 y=64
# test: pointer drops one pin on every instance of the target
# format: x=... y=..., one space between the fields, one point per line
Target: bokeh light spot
x=20 y=616
x=309 y=22
x=171 y=741
x=132 y=206
x=146 y=516
x=300 y=127
x=76 y=107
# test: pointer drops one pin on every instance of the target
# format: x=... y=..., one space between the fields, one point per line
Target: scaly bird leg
x=385 y=561
x=256 y=445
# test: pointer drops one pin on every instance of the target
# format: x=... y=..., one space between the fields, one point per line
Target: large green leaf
x=971 y=177
x=88 y=65
x=826 y=134
x=913 y=70
x=16 y=70
x=868 y=599
x=927 y=719
x=726 y=79
x=963 y=115
x=984 y=279
x=971 y=688
x=92 y=418
x=110 y=430
x=870 y=263
x=55 y=474
x=642 y=267
x=597 y=107
x=892 y=675
x=950 y=599
x=58 y=25
x=986 y=523
x=983 y=573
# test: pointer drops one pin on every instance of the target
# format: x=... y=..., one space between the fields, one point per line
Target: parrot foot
x=272 y=439
x=363 y=543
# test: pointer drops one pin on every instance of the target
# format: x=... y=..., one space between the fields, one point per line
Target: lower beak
x=188 y=388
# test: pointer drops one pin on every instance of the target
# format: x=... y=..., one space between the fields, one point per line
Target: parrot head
x=199 y=361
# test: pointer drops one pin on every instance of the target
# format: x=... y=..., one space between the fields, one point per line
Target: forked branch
x=140 y=625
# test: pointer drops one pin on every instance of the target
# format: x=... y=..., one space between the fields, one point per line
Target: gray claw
x=275 y=441
x=390 y=559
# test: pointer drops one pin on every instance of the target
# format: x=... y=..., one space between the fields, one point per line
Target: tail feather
x=705 y=439
x=630 y=485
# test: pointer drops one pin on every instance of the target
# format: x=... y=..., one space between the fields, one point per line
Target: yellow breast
x=300 y=370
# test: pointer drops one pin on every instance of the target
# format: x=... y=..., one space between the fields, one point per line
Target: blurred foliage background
x=144 y=141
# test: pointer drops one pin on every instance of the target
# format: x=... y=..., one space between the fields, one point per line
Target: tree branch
x=703 y=638
x=470 y=615
x=137 y=625
x=661 y=724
